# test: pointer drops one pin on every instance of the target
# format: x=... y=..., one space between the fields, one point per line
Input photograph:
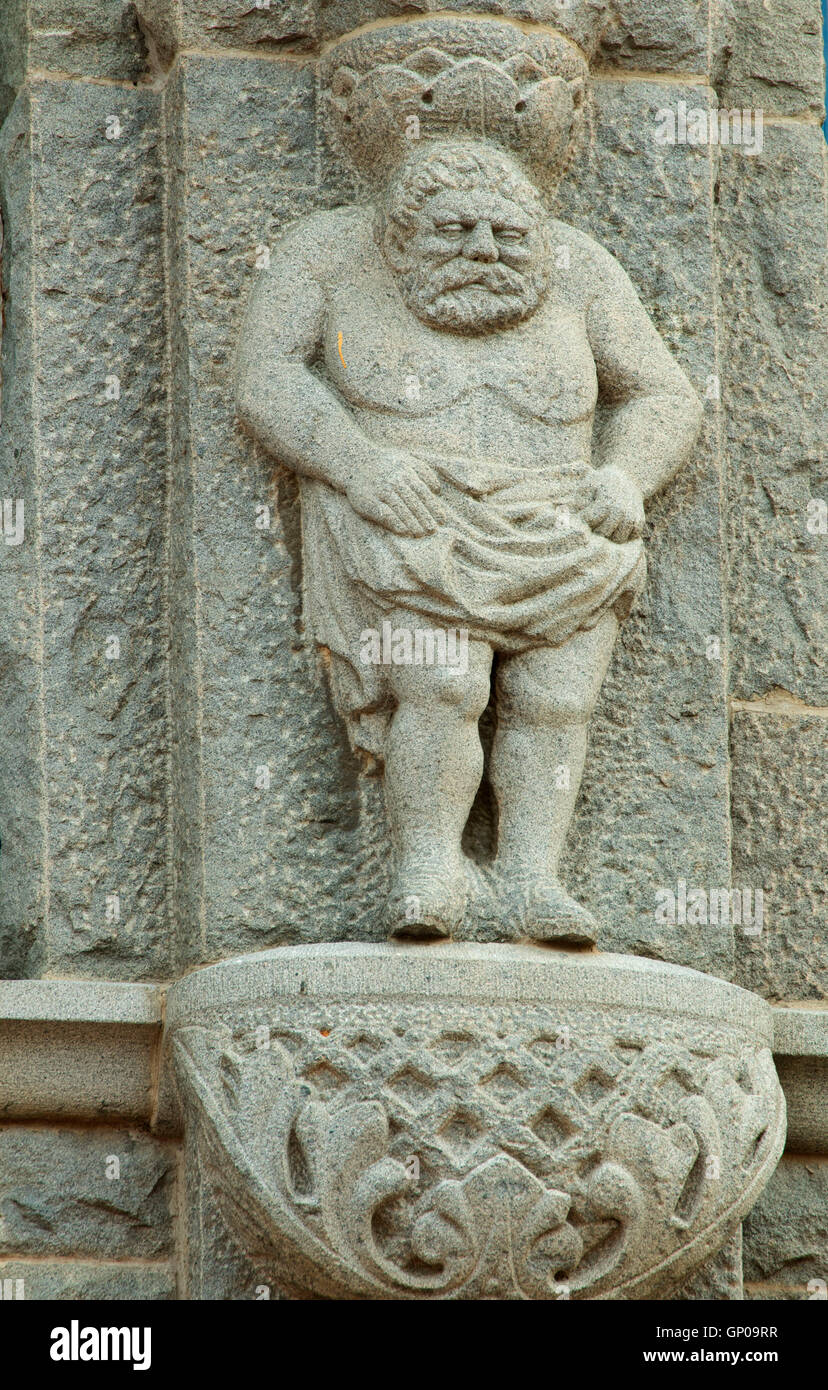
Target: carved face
x=470 y=259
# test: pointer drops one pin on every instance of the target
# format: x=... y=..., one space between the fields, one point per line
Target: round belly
x=487 y=435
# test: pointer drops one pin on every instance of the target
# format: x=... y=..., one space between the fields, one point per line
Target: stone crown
x=528 y=100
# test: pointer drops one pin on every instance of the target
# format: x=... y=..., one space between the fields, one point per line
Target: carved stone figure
x=477 y=406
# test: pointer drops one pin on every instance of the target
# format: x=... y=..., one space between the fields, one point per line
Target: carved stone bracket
x=474 y=1121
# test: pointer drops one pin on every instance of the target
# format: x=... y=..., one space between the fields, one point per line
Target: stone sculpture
x=478 y=407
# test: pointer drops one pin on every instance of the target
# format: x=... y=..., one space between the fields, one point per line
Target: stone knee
x=535 y=693
x=443 y=688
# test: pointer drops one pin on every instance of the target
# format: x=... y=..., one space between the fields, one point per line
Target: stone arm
x=278 y=397
x=650 y=412
x=297 y=417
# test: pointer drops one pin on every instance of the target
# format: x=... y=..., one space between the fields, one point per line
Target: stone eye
x=510 y=234
x=452 y=229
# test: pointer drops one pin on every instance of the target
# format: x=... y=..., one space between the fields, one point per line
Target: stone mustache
x=477 y=406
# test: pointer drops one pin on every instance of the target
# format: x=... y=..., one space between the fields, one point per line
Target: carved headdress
x=453 y=78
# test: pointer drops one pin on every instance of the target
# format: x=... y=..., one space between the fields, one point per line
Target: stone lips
x=583 y=1127
x=449 y=79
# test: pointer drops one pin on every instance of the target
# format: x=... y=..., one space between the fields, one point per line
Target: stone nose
x=480 y=243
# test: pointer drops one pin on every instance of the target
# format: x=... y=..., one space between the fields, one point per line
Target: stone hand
x=399 y=493
x=612 y=504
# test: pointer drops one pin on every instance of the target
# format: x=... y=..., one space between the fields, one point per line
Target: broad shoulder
x=324 y=243
x=585 y=268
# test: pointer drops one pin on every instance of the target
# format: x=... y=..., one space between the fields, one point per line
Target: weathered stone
x=778 y=789
x=786 y=1235
x=92 y=554
x=92 y=1192
x=24 y=873
x=774 y=365
x=81 y=1050
x=770 y=55
x=69 y=37
x=228 y=24
x=389 y=1121
x=801 y=1055
x=659 y=736
x=657 y=35
x=254 y=865
x=75 y=1281
x=720 y=1279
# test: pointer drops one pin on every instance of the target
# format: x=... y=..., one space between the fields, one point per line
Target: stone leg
x=433 y=767
x=544 y=702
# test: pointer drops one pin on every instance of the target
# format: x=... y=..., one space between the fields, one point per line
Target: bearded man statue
x=430 y=364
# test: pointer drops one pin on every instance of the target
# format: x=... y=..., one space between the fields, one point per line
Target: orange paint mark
x=339 y=345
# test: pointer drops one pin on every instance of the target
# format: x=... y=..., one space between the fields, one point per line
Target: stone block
x=656 y=35
x=778 y=781
x=102 y=1193
x=771 y=240
x=255 y=865
x=770 y=55
x=77 y=1281
x=652 y=810
x=86 y=587
x=786 y=1234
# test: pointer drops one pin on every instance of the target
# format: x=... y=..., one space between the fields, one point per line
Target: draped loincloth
x=513 y=564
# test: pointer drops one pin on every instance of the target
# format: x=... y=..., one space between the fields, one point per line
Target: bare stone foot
x=427 y=899
x=546 y=912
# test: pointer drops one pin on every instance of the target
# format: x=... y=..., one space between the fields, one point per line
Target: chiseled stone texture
x=657 y=35
x=290 y=859
x=93 y=559
x=775 y=390
x=719 y=1280
x=83 y=38
x=786 y=1234
x=79 y=1281
x=662 y=35
x=779 y=769
x=22 y=817
x=653 y=806
x=56 y=1197
x=769 y=55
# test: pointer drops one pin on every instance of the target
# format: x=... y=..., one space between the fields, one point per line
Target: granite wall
x=174 y=787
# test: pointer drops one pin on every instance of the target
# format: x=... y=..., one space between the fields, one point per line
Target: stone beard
x=439 y=283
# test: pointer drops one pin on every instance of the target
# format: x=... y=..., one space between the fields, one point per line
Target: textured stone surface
x=770 y=55
x=56 y=1197
x=775 y=392
x=656 y=35
x=86 y=1051
x=69 y=36
x=720 y=1279
x=95 y=502
x=76 y=1281
x=226 y=24
x=786 y=1234
x=801 y=1053
x=479 y=1130
x=659 y=736
x=265 y=862
x=778 y=788
x=23 y=888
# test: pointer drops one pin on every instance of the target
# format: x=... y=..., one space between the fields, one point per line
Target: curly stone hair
x=455 y=166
